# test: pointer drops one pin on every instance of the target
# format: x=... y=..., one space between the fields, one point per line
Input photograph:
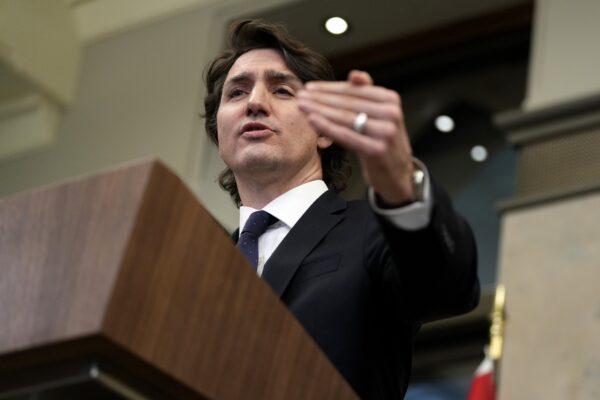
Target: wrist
x=386 y=204
x=412 y=191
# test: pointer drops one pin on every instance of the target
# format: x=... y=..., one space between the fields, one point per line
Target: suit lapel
x=319 y=219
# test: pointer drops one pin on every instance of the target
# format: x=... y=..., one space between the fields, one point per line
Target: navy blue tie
x=256 y=225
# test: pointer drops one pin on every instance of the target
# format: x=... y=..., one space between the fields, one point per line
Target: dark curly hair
x=307 y=64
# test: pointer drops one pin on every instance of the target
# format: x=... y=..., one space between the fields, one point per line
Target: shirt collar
x=290 y=206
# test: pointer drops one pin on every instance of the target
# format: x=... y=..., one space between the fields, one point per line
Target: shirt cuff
x=413 y=216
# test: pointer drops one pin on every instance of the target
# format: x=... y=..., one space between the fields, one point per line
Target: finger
x=359 y=78
x=347 y=138
x=386 y=111
x=374 y=93
x=373 y=127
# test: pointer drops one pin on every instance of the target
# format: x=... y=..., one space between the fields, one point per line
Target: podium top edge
x=148 y=162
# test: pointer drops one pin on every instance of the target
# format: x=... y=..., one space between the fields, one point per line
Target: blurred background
x=502 y=102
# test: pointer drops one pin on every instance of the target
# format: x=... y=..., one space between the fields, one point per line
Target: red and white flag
x=483 y=386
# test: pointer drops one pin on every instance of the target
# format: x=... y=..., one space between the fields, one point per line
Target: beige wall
x=550 y=259
x=565 y=59
x=136 y=97
x=550 y=251
x=139 y=94
x=39 y=43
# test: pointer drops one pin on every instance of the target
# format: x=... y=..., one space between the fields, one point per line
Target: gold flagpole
x=497 y=326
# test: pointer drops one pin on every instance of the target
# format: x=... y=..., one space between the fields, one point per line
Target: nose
x=258 y=101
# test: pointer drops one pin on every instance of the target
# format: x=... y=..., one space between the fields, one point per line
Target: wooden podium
x=122 y=286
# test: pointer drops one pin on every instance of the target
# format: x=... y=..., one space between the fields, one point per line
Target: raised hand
x=382 y=145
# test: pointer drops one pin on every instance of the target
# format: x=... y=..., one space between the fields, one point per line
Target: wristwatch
x=418 y=182
x=418 y=186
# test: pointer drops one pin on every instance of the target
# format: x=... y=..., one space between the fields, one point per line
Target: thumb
x=359 y=78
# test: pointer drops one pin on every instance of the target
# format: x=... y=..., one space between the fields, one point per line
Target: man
x=360 y=276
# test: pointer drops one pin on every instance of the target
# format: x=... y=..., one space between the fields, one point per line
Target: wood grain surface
x=60 y=251
x=130 y=256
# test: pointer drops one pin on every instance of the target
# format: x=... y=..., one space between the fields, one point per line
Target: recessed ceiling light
x=336 y=25
x=479 y=153
x=444 y=123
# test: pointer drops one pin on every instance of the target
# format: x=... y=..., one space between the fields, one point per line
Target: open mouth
x=256 y=130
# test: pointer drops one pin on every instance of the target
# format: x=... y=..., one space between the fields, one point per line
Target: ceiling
x=99 y=19
x=375 y=21
x=370 y=21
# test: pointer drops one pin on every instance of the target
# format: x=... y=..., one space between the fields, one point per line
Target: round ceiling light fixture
x=444 y=123
x=479 y=153
x=336 y=25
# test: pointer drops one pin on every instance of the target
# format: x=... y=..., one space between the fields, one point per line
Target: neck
x=258 y=192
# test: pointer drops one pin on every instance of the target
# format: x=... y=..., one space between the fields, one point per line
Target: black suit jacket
x=362 y=288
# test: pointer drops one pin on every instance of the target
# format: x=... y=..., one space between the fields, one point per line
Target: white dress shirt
x=289 y=207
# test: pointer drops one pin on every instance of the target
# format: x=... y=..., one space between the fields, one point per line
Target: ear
x=324 y=142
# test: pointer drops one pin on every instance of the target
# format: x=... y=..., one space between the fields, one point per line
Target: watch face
x=418 y=177
x=418 y=180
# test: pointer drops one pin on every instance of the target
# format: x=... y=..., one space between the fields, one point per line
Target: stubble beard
x=268 y=166
x=260 y=167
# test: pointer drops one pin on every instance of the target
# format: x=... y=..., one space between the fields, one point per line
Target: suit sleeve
x=425 y=274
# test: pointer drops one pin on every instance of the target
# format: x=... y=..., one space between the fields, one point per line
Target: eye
x=233 y=93
x=284 y=91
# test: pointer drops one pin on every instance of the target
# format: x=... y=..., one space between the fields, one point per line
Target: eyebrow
x=278 y=76
x=271 y=76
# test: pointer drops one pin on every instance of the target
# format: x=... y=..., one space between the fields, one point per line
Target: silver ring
x=359 y=122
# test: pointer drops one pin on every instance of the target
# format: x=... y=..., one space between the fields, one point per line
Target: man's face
x=260 y=128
